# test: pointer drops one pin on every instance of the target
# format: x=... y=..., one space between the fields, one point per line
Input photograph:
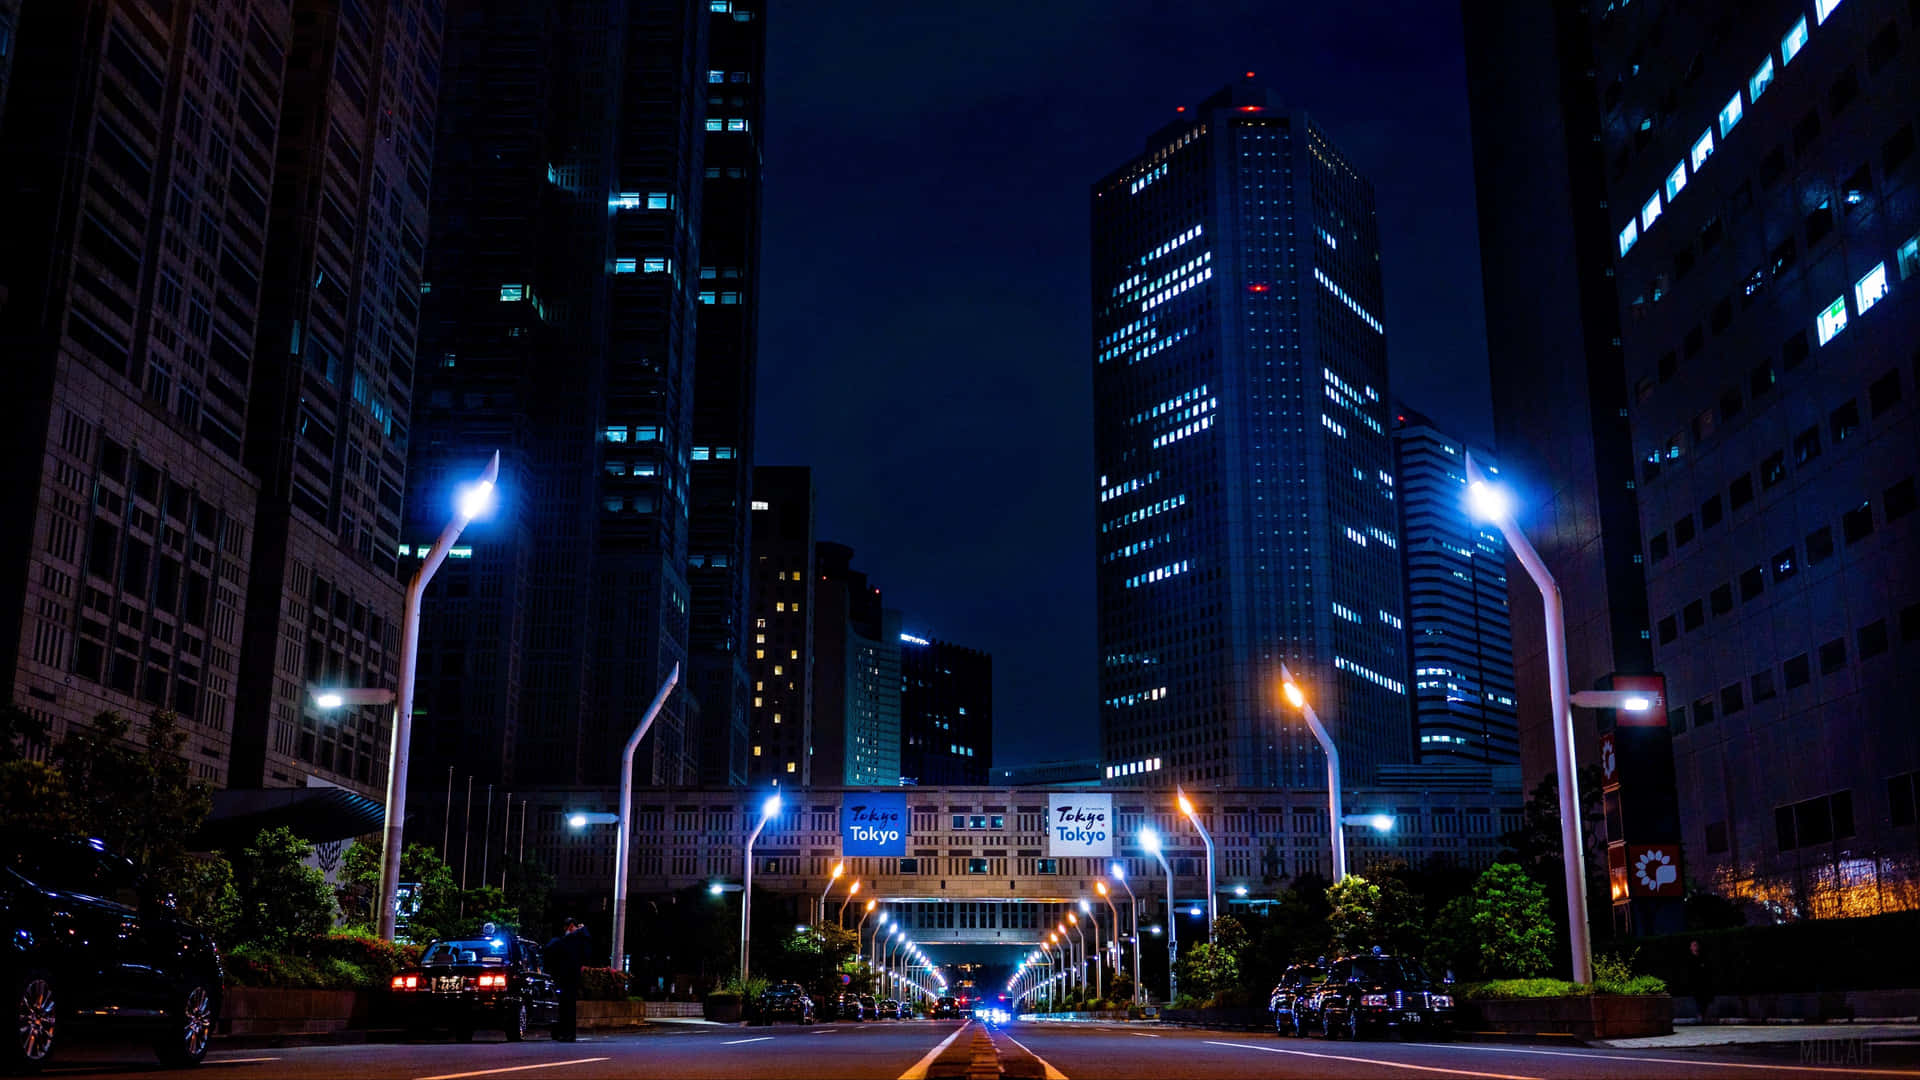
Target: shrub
x=602 y=984
x=1510 y=921
x=1506 y=989
x=281 y=900
x=253 y=966
x=380 y=960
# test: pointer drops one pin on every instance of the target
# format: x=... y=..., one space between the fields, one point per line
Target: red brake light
x=406 y=982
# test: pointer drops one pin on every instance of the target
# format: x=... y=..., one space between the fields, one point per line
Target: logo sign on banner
x=1079 y=824
x=873 y=824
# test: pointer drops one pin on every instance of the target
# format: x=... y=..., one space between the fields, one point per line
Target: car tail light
x=1375 y=1000
x=493 y=982
x=406 y=982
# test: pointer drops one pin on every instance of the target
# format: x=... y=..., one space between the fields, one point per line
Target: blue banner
x=873 y=824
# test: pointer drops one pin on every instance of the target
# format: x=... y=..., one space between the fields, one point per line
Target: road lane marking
x=756 y=1038
x=919 y=1069
x=1698 y=1062
x=1144 y=1034
x=239 y=1061
x=1051 y=1072
x=1375 y=1061
x=513 y=1068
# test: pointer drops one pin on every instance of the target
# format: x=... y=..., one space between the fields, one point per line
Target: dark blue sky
x=924 y=290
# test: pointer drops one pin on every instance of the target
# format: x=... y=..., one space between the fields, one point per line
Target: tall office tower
x=9 y=19
x=559 y=322
x=946 y=712
x=721 y=474
x=780 y=720
x=856 y=676
x=1246 y=512
x=332 y=391
x=136 y=159
x=1760 y=177
x=1458 y=637
x=1553 y=340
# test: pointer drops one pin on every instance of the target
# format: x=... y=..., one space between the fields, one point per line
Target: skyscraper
x=564 y=296
x=781 y=729
x=1553 y=339
x=212 y=251
x=946 y=712
x=856 y=676
x=1458 y=637
x=1246 y=503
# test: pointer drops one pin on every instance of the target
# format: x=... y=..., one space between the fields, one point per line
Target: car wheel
x=517 y=1023
x=36 y=1014
x=189 y=1031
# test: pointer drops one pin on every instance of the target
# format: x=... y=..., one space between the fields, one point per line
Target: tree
x=1452 y=944
x=207 y=896
x=281 y=899
x=441 y=900
x=1536 y=846
x=140 y=799
x=1399 y=919
x=1352 y=921
x=1510 y=919
x=1210 y=969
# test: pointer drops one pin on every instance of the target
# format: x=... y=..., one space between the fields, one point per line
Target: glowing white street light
x=466 y=509
x=768 y=811
x=1150 y=841
x=1636 y=701
x=838 y=869
x=1492 y=503
x=1119 y=874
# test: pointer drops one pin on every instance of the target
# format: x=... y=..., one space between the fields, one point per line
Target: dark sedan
x=492 y=983
x=846 y=1006
x=1296 y=986
x=1375 y=993
x=946 y=1009
x=785 y=1001
x=88 y=946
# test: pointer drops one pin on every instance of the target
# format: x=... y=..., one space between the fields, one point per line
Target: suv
x=785 y=1001
x=1375 y=992
x=846 y=1006
x=946 y=1009
x=83 y=932
x=494 y=982
x=869 y=1008
x=1297 y=985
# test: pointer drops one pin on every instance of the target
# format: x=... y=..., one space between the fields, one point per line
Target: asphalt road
x=901 y=1050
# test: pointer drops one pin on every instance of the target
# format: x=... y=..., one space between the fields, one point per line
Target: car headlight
x=1442 y=1001
x=1375 y=1000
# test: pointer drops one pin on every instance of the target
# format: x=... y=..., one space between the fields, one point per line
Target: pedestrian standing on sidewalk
x=565 y=956
x=1699 y=979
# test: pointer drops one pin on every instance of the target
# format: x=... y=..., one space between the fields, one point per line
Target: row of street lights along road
x=1486 y=500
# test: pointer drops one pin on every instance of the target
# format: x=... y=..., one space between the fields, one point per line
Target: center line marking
x=1144 y=1034
x=919 y=1069
x=1375 y=1061
x=756 y=1038
x=1702 y=1062
x=513 y=1068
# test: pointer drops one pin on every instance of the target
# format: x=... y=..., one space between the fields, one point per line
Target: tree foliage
x=281 y=899
x=1511 y=923
x=1354 y=903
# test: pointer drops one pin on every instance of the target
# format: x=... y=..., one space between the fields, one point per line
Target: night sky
x=924 y=290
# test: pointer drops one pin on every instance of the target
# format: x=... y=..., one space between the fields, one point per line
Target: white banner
x=1080 y=824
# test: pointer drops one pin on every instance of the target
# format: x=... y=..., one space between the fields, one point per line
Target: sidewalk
x=1700 y=1035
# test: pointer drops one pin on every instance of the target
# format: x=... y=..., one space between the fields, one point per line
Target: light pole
x=623 y=844
x=1093 y=918
x=1150 y=840
x=1119 y=874
x=473 y=501
x=768 y=809
x=838 y=869
x=886 y=961
x=1193 y=815
x=860 y=930
x=852 y=891
x=1076 y=978
x=1291 y=690
x=1491 y=503
x=1119 y=955
x=872 y=952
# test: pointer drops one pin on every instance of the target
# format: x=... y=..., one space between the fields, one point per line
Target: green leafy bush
x=266 y=968
x=380 y=960
x=1511 y=923
x=281 y=899
x=1509 y=989
x=603 y=984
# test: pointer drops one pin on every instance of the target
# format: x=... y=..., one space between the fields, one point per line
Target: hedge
x=1873 y=952
x=603 y=984
x=1507 y=989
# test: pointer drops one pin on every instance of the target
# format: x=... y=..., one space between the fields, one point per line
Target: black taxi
x=493 y=983
x=1295 y=988
x=1377 y=992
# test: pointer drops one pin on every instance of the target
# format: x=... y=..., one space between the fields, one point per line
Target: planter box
x=600 y=1015
x=1226 y=1018
x=691 y=1010
x=721 y=1012
x=1598 y=1016
x=248 y=1010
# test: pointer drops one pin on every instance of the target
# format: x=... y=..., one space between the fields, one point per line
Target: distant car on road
x=846 y=1006
x=889 y=1009
x=946 y=1009
x=89 y=946
x=869 y=1008
x=493 y=983
x=1296 y=985
x=1377 y=992
x=785 y=1001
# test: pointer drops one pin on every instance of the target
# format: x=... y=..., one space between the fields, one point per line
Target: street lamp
x=623 y=844
x=472 y=501
x=1635 y=701
x=859 y=930
x=768 y=809
x=1094 y=919
x=1291 y=691
x=1119 y=874
x=1080 y=936
x=872 y=951
x=853 y=890
x=1193 y=815
x=1492 y=503
x=1150 y=840
x=334 y=699
x=1118 y=957
x=838 y=869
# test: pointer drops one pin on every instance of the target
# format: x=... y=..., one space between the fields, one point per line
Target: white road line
x=1051 y=1072
x=825 y=1031
x=1376 y=1061
x=1144 y=1034
x=513 y=1069
x=919 y=1069
x=1698 y=1062
x=238 y=1061
x=756 y=1038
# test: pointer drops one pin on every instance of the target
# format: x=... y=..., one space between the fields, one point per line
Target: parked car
x=869 y=1008
x=946 y=1009
x=1296 y=984
x=1376 y=992
x=467 y=984
x=846 y=1006
x=889 y=1009
x=89 y=946
x=785 y=1001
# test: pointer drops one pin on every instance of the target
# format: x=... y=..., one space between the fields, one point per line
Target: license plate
x=1412 y=1018
x=448 y=983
